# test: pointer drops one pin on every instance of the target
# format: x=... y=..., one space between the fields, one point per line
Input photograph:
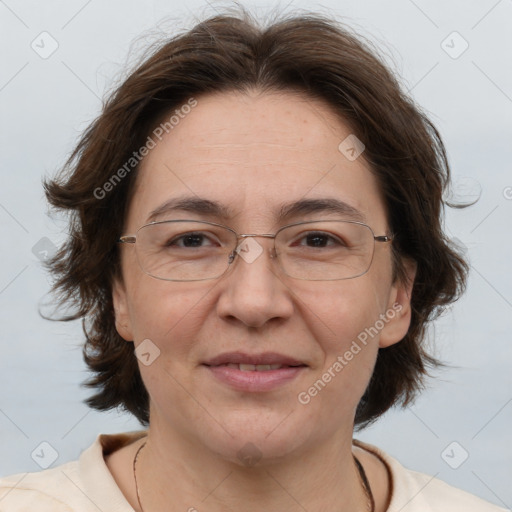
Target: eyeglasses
x=188 y=250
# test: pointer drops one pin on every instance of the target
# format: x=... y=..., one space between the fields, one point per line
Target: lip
x=254 y=380
x=244 y=358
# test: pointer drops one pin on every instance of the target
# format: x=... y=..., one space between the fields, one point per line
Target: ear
x=399 y=308
x=121 y=311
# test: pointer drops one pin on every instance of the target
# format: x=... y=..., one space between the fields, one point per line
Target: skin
x=253 y=152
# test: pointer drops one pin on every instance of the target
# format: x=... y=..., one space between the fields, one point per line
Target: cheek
x=341 y=317
x=171 y=315
x=339 y=312
x=156 y=308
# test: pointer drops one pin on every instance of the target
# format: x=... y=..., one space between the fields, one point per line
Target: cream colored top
x=86 y=485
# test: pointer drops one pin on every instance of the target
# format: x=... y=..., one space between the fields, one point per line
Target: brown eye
x=320 y=239
x=188 y=240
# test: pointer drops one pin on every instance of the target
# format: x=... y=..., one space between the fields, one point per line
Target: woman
x=255 y=252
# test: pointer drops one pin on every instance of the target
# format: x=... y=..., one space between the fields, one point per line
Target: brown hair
x=309 y=53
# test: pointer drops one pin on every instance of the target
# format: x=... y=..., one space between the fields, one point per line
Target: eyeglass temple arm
x=127 y=239
x=380 y=238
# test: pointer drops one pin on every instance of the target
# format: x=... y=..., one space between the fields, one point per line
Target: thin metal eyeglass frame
x=132 y=239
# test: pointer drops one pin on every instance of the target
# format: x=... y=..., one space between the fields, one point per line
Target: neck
x=188 y=476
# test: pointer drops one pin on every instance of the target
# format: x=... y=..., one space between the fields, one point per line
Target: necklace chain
x=135 y=474
x=366 y=485
x=362 y=475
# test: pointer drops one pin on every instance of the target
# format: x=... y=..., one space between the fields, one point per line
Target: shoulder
x=47 y=490
x=79 y=486
x=418 y=492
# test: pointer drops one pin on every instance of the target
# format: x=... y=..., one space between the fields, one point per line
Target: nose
x=253 y=290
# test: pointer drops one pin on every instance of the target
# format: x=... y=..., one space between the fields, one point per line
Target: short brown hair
x=309 y=53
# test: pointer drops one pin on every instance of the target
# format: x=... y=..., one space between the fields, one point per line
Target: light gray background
x=46 y=103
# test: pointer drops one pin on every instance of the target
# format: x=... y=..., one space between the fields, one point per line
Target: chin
x=254 y=438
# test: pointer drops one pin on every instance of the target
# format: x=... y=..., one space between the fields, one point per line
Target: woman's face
x=252 y=154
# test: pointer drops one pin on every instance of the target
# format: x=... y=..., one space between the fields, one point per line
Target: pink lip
x=254 y=381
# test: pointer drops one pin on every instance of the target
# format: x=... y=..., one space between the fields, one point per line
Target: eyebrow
x=286 y=211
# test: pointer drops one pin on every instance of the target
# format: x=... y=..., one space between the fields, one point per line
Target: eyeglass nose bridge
x=247 y=235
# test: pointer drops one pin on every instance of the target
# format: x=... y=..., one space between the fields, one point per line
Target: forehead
x=254 y=152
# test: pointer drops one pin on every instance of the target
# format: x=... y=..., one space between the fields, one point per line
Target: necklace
x=135 y=474
x=366 y=485
x=362 y=475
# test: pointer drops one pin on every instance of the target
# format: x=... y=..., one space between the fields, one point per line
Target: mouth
x=256 y=367
x=263 y=360
x=254 y=373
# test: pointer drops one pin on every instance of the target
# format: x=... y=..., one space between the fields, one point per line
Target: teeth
x=254 y=367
